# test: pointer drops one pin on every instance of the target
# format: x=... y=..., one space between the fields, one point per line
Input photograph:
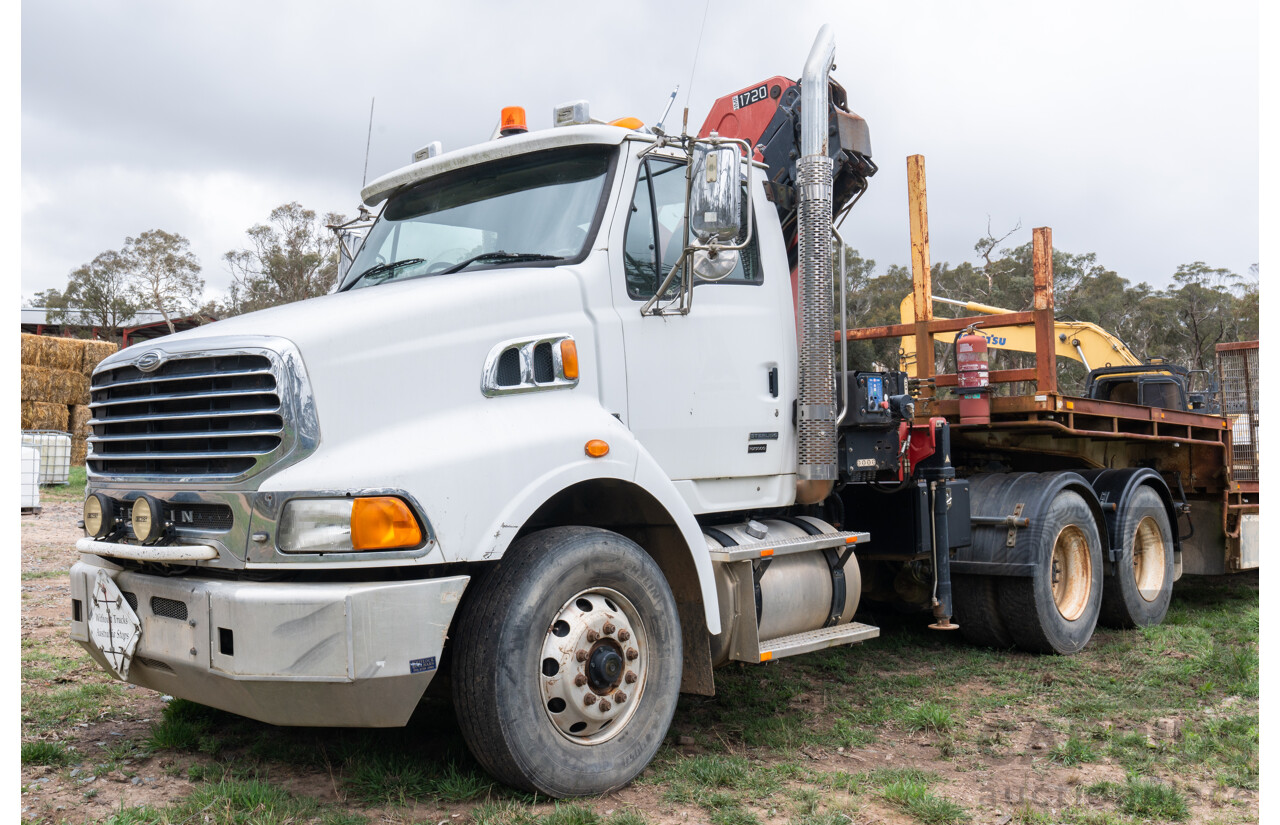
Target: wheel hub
x=594 y=661
x=1148 y=559
x=604 y=667
x=1071 y=572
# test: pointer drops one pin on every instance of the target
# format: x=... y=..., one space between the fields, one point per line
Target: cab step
x=782 y=547
x=797 y=643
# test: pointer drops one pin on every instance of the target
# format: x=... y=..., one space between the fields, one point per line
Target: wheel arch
x=996 y=495
x=1114 y=488
x=630 y=510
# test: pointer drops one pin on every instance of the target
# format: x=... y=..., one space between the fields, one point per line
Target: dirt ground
x=993 y=789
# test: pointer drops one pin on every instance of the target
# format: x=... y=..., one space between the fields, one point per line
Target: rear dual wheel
x=1055 y=609
x=1137 y=592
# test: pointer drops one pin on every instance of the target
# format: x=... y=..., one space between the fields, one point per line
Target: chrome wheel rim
x=1148 y=559
x=1072 y=572
x=592 y=670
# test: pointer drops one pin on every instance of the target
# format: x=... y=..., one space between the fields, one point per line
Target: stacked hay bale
x=55 y=386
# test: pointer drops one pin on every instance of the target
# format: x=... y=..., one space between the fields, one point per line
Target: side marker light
x=597 y=448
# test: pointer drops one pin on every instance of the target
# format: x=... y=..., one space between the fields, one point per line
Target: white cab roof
x=380 y=189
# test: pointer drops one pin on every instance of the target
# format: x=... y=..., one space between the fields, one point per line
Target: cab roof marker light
x=572 y=113
x=432 y=149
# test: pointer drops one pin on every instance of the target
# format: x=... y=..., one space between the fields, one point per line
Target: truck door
x=709 y=393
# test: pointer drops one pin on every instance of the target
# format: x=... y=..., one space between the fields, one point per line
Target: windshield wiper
x=386 y=267
x=502 y=257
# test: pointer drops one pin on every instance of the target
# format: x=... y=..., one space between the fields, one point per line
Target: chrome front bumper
x=286 y=653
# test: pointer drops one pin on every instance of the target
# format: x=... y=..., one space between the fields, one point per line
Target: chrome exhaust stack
x=816 y=414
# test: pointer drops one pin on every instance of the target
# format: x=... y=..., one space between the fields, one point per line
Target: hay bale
x=79 y=449
x=78 y=420
x=52 y=353
x=65 y=387
x=37 y=415
x=93 y=354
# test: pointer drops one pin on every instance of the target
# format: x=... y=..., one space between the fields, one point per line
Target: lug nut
x=589 y=699
x=609 y=628
x=582 y=655
x=619 y=697
x=604 y=704
x=592 y=635
x=624 y=634
x=580 y=679
x=631 y=677
x=632 y=654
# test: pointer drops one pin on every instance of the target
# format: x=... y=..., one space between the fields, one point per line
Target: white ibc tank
x=55 y=455
x=30 y=487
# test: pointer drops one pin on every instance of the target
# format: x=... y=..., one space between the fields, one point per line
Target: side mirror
x=715 y=194
x=349 y=241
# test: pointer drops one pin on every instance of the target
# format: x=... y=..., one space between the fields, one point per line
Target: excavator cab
x=1154 y=384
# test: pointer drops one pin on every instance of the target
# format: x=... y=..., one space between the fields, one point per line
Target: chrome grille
x=210 y=415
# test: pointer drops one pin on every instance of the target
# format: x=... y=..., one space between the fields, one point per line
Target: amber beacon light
x=513 y=121
x=383 y=523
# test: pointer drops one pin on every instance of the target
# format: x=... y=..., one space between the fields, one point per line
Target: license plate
x=113 y=626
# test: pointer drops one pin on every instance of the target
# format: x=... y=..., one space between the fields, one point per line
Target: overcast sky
x=1130 y=128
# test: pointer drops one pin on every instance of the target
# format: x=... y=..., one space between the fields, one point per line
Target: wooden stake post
x=921 y=274
x=1042 y=280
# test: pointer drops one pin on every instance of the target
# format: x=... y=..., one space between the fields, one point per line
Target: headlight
x=347 y=525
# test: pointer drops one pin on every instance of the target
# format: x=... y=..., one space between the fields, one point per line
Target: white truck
x=563 y=425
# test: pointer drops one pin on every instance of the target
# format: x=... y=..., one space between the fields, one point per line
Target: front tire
x=1137 y=593
x=568 y=663
x=1056 y=609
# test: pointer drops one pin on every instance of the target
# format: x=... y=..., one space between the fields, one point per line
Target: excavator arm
x=1081 y=341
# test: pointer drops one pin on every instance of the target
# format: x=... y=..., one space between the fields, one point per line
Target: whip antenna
x=368 y=140
x=696 y=50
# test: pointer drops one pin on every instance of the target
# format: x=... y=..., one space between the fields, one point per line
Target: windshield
x=533 y=208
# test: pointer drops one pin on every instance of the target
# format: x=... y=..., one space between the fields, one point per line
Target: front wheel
x=568 y=663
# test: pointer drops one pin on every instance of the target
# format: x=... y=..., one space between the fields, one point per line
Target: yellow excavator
x=1115 y=373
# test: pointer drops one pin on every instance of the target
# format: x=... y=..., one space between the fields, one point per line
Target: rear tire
x=1137 y=592
x=1056 y=609
x=533 y=713
x=978 y=612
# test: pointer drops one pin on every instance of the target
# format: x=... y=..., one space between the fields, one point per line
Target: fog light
x=148 y=519
x=99 y=516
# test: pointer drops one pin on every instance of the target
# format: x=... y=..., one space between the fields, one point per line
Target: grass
x=73 y=491
x=914 y=797
x=31 y=575
x=1179 y=700
x=1145 y=798
x=250 y=802
x=46 y=753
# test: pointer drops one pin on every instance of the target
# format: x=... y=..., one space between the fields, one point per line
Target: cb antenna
x=692 y=69
x=367 y=141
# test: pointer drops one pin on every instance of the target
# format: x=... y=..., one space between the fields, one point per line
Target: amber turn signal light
x=383 y=523
x=597 y=448
x=569 y=358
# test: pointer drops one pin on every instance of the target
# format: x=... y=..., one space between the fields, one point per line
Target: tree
x=164 y=273
x=102 y=293
x=291 y=258
x=1205 y=305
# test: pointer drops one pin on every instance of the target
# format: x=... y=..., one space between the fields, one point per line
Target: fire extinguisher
x=973 y=377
